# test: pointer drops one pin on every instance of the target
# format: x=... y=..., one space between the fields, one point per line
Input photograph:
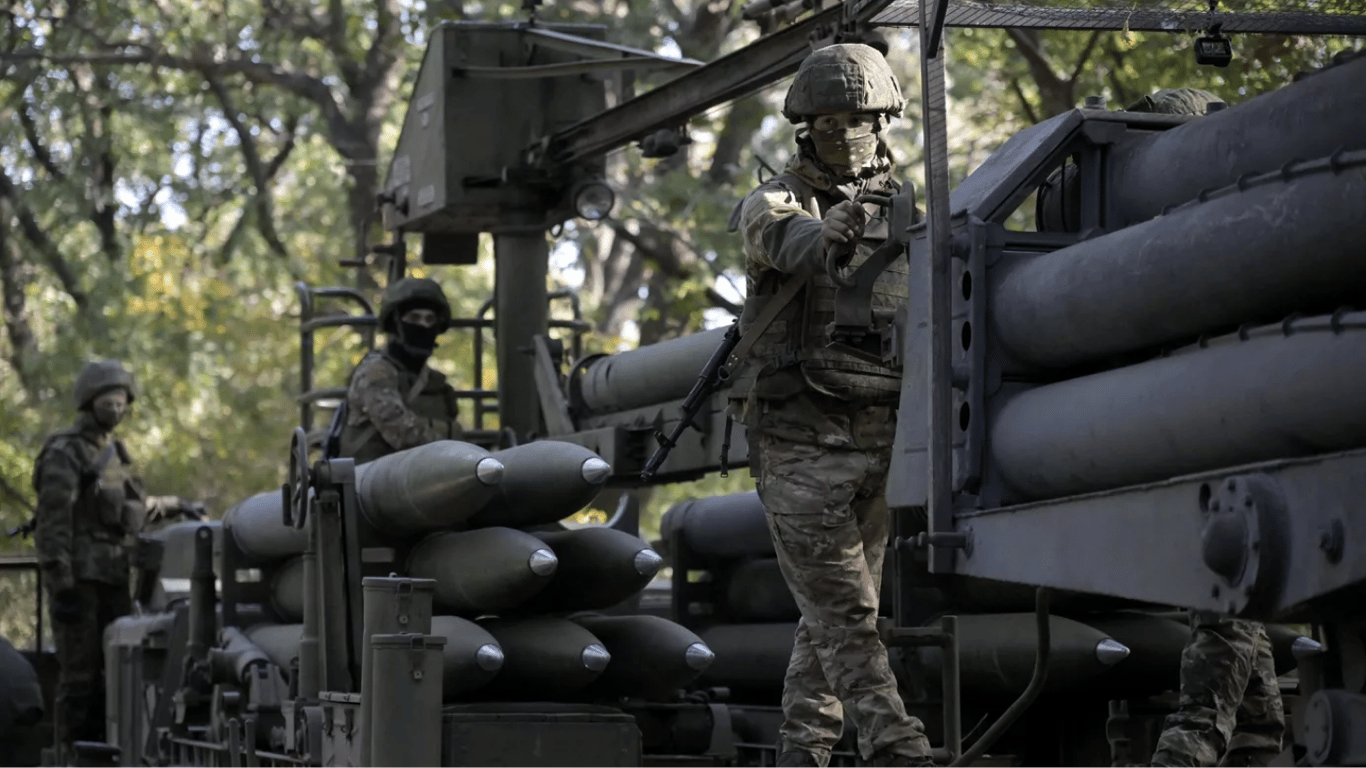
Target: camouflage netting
x=1301 y=17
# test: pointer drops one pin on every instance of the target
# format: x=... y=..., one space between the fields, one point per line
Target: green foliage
x=171 y=169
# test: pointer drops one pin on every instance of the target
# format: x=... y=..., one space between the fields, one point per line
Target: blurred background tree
x=170 y=168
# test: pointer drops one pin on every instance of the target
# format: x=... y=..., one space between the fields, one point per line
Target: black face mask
x=107 y=416
x=418 y=338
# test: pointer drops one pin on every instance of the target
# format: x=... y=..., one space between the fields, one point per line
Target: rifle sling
x=780 y=300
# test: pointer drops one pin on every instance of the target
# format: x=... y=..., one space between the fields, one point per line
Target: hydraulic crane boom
x=770 y=58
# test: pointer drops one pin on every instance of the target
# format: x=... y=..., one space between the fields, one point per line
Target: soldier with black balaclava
x=91 y=507
x=395 y=401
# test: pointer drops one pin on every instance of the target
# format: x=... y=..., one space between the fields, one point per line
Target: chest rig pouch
x=858 y=328
x=118 y=494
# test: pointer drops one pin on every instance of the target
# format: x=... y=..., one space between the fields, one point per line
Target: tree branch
x=667 y=260
x=1024 y=101
x=34 y=233
x=1053 y=90
x=1123 y=94
x=14 y=493
x=97 y=112
x=12 y=283
x=261 y=174
x=40 y=151
x=1085 y=55
x=342 y=133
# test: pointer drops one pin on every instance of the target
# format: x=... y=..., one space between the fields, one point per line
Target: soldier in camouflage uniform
x=90 y=509
x=395 y=401
x=1059 y=199
x=1230 y=704
x=1177 y=101
x=821 y=422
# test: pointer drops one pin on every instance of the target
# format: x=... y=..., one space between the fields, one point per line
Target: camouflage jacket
x=85 y=520
x=390 y=408
x=781 y=224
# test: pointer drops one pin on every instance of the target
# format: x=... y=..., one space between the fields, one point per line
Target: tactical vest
x=433 y=401
x=101 y=516
x=792 y=353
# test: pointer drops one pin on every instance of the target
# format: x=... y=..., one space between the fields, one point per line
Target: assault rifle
x=708 y=381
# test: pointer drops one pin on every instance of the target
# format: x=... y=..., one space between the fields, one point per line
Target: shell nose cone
x=1111 y=652
x=595 y=657
x=489 y=657
x=647 y=562
x=1305 y=646
x=543 y=562
x=489 y=471
x=595 y=471
x=699 y=657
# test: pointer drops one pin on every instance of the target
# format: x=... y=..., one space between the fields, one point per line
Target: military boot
x=885 y=758
x=796 y=758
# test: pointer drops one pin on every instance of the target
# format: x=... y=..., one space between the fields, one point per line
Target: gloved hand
x=843 y=223
x=68 y=606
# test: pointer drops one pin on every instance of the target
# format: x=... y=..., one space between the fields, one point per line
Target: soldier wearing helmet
x=395 y=401
x=821 y=422
x=90 y=508
x=1230 y=710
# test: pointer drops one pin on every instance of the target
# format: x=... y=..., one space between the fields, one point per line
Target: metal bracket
x=857 y=330
x=554 y=406
x=945 y=637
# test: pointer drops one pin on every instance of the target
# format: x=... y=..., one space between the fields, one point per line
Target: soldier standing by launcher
x=1230 y=705
x=89 y=506
x=395 y=401
x=820 y=422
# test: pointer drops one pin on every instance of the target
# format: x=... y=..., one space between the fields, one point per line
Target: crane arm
x=734 y=75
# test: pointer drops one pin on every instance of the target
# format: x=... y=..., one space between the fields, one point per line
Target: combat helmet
x=413 y=292
x=1177 y=101
x=98 y=377
x=849 y=77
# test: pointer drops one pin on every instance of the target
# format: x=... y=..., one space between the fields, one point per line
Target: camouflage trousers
x=1230 y=704
x=830 y=523
x=79 y=711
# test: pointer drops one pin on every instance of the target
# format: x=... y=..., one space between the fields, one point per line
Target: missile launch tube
x=656 y=373
x=287 y=590
x=722 y=527
x=1278 y=245
x=259 y=530
x=1312 y=118
x=1274 y=392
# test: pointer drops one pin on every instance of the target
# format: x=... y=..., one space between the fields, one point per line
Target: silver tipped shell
x=489 y=471
x=543 y=562
x=1111 y=652
x=489 y=657
x=699 y=657
x=647 y=562
x=1305 y=646
x=595 y=471
x=595 y=657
